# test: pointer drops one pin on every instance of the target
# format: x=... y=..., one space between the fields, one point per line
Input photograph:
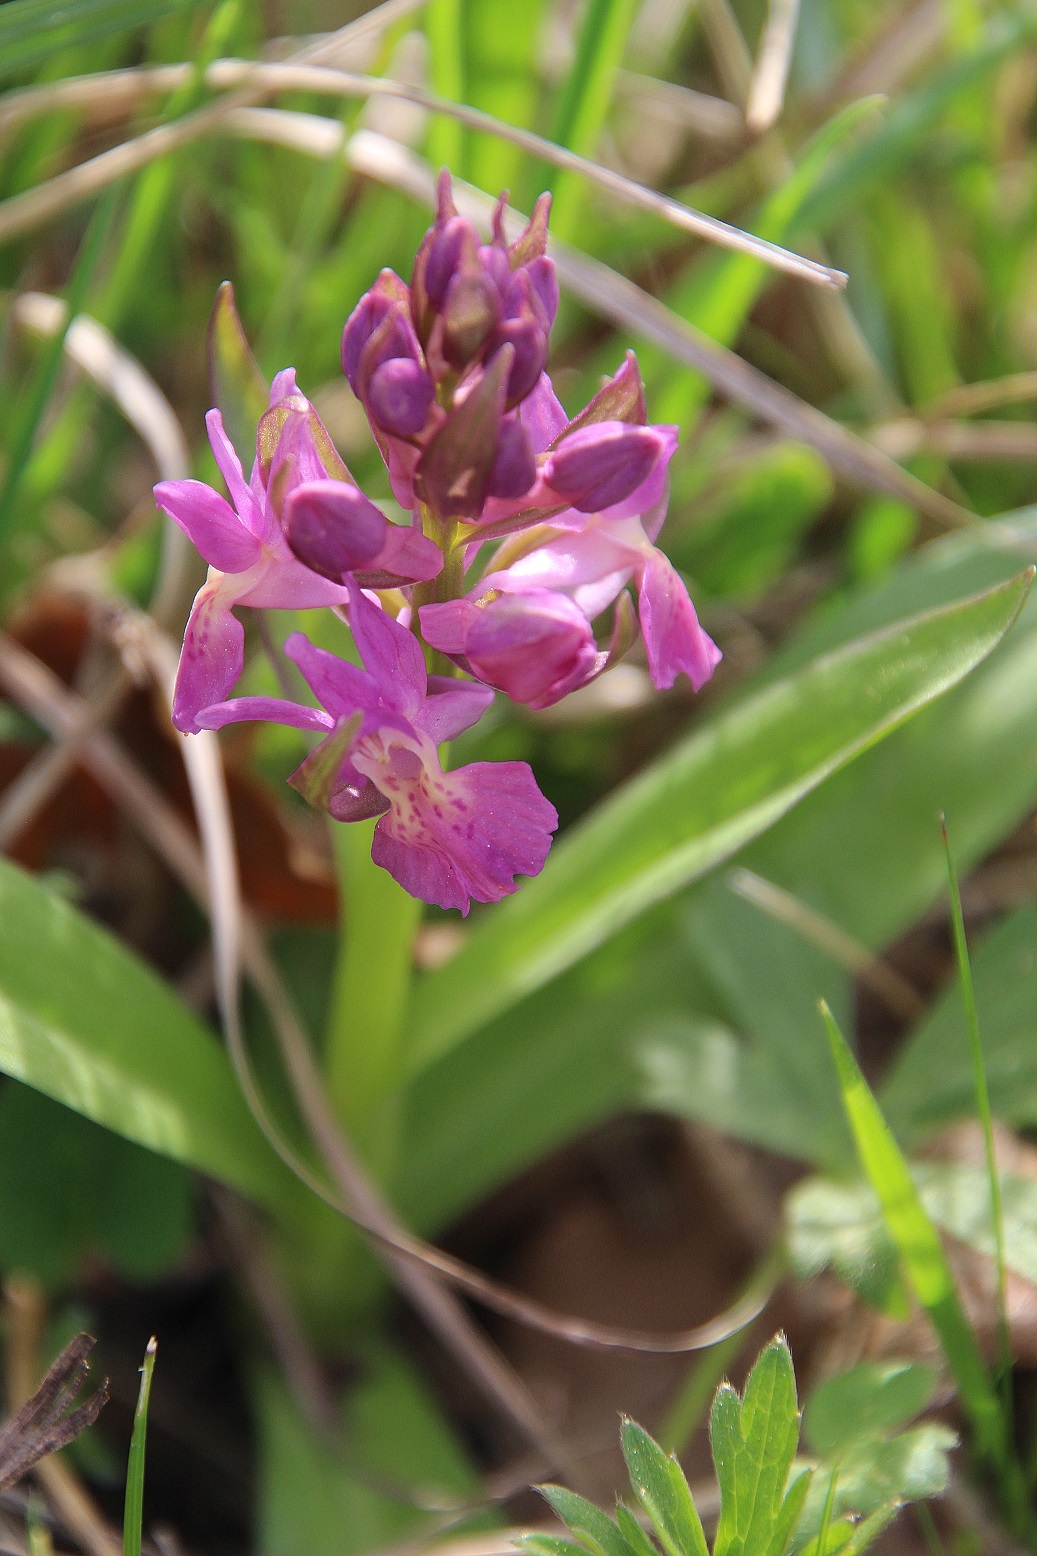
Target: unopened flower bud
x=600 y=465
x=399 y=396
x=537 y=647
x=514 y=467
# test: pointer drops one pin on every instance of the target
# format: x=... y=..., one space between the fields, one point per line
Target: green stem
x=369 y=994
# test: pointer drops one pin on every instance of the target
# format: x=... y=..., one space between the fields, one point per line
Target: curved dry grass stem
x=120 y=376
x=771 y=72
x=900 y=996
x=256 y=80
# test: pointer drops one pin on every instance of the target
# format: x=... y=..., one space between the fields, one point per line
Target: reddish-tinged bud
x=621 y=398
x=536 y=647
x=514 y=467
x=399 y=397
x=532 y=241
x=598 y=466
x=454 y=471
x=471 y=309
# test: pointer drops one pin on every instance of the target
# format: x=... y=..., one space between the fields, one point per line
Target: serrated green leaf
x=789 y=1514
x=105 y=1036
x=588 y=1523
x=868 y=1401
x=663 y=1492
x=548 y=1545
x=632 y=1532
x=698 y=804
x=754 y=1443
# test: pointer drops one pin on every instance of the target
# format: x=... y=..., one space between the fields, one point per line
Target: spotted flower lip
x=446 y=837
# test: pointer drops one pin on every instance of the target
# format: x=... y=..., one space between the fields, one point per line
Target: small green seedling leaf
x=588 y=1523
x=238 y=388
x=663 y=1492
x=633 y=1534
x=754 y=1443
x=866 y=1402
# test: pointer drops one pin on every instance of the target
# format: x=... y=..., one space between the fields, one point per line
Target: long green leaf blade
x=84 y=1021
x=723 y=786
x=35 y=30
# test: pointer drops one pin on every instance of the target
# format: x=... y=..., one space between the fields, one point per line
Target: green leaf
x=32 y=31
x=698 y=804
x=881 y=1474
x=841 y=1224
x=238 y=388
x=754 y=1443
x=932 y=1080
x=362 y=1494
x=105 y=1036
x=70 y=1190
x=663 y=1492
x=868 y=1401
x=588 y=1523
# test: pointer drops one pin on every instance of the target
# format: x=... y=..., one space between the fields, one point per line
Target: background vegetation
x=614 y=1094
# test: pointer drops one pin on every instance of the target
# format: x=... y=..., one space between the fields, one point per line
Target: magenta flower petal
x=406 y=556
x=340 y=686
x=452 y=837
x=211 y=658
x=210 y=522
x=451 y=707
x=268 y=710
x=400 y=396
x=229 y=466
x=543 y=413
x=674 y=641
x=391 y=654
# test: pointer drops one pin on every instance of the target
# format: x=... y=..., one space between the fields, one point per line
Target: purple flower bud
x=536 y=647
x=494 y=262
x=514 y=467
x=544 y=281
x=332 y=527
x=368 y=315
x=399 y=396
x=444 y=257
x=530 y=343
x=598 y=466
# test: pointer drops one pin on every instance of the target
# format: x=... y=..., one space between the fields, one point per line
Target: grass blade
x=32 y=31
x=929 y=1273
x=133 y=1517
x=968 y=995
x=38 y=397
x=585 y=96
